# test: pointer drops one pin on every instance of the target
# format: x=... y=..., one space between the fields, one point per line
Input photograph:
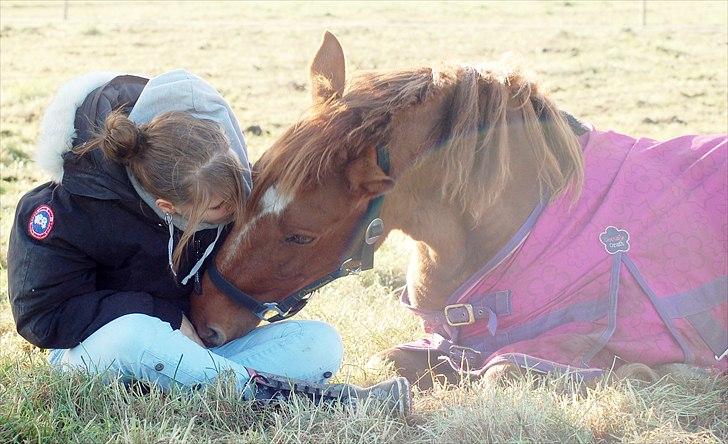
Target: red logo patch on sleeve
x=41 y=222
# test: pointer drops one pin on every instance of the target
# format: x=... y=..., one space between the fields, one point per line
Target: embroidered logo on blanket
x=41 y=222
x=615 y=240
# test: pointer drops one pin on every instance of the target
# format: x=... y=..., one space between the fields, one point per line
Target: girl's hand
x=188 y=330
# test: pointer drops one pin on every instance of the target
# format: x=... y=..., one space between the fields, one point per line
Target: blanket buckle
x=461 y=310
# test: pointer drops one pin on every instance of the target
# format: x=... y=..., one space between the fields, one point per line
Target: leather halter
x=359 y=257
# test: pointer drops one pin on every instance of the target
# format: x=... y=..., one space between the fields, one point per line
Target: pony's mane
x=474 y=139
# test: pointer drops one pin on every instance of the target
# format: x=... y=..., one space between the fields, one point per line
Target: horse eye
x=300 y=239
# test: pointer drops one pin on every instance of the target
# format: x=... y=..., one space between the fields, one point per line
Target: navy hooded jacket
x=85 y=249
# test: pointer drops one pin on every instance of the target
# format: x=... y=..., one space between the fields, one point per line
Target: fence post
x=65 y=9
x=644 y=13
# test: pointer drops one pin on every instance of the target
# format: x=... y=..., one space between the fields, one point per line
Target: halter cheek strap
x=360 y=257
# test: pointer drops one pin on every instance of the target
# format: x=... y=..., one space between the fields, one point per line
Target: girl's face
x=218 y=212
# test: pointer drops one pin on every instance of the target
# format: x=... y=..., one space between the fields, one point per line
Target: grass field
x=662 y=79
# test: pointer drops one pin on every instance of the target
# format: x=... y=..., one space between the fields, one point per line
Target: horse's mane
x=474 y=140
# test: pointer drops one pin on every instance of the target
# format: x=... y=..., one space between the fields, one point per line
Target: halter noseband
x=359 y=257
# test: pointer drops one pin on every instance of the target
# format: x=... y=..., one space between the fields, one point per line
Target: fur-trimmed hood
x=57 y=131
x=177 y=90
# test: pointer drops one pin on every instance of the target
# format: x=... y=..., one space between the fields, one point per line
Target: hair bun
x=121 y=140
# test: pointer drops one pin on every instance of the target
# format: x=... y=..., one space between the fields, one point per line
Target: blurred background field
x=662 y=78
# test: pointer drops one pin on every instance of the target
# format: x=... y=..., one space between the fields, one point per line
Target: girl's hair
x=176 y=157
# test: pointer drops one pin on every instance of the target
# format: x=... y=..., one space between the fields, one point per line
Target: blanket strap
x=612 y=313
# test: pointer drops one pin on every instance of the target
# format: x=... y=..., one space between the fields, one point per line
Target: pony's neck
x=451 y=246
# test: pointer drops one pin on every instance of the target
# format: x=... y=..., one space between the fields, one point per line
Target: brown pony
x=471 y=152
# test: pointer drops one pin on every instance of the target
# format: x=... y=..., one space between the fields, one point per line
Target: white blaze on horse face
x=271 y=203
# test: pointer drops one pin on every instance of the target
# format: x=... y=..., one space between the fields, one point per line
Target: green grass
x=667 y=78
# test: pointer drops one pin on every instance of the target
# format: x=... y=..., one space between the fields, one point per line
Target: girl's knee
x=323 y=336
x=327 y=341
x=300 y=349
x=130 y=333
x=320 y=335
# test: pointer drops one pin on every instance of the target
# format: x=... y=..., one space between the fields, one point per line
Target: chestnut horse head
x=469 y=152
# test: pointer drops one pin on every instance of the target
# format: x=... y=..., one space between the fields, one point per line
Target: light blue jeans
x=144 y=348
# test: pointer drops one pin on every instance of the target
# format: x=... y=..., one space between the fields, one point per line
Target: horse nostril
x=214 y=337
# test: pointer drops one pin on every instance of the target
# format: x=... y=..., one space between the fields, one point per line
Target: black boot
x=395 y=393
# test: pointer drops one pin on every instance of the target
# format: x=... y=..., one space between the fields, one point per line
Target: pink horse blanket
x=635 y=271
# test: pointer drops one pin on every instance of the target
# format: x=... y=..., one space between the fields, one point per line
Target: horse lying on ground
x=542 y=243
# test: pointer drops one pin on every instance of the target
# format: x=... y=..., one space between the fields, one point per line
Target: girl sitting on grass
x=103 y=259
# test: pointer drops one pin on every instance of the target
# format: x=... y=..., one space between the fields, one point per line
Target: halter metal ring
x=351 y=266
x=374 y=231
x=270 y=310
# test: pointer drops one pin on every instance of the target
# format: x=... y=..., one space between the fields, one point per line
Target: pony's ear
x=366 y=178
x=327 y=71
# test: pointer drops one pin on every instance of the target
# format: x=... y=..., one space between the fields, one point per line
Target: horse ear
x=366 y=178
x=327 y=71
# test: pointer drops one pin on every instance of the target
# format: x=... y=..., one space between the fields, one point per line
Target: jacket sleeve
x=52 y=288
